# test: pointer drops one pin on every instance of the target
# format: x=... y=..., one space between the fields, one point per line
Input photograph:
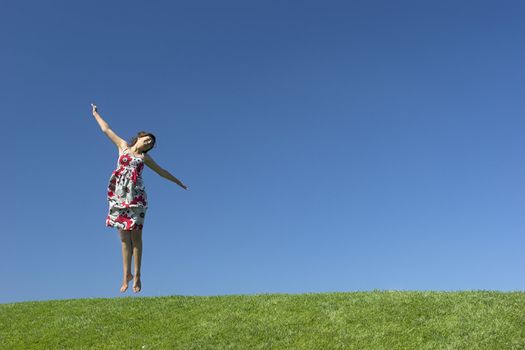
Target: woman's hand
x=94 y=108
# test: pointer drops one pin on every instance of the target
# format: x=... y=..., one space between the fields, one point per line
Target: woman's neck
x=134 y=150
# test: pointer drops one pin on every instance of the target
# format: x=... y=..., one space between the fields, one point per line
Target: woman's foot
x=136 y=284
x=125 y=283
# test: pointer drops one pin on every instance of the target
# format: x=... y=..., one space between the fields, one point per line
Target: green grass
x=352 y=320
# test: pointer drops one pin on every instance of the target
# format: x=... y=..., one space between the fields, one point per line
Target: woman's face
x=145 y=142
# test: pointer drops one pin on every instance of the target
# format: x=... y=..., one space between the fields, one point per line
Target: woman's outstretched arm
x=170 y=177
x=101 y=122
x=117 y=140
x=162 y=172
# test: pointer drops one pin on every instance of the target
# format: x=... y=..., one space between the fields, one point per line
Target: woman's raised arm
x=118 y=141
x=101 y=122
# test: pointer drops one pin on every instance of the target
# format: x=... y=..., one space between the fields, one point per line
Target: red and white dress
x=127 y=196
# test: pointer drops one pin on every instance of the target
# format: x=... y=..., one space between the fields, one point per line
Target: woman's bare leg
x=136 y=241
x=127 y=247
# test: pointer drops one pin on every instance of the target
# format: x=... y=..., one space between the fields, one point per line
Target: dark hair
x=141 y=134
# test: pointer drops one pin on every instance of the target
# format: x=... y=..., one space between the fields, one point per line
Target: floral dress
x=126 y=194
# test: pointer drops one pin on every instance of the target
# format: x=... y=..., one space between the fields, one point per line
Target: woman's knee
x=125 y=236
x=136 y=236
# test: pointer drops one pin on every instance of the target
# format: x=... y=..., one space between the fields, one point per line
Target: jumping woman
x=126 y=195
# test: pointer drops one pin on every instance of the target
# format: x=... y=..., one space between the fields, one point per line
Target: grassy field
x=352 y=320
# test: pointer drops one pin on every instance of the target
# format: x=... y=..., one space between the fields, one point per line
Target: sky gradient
x=327 y=145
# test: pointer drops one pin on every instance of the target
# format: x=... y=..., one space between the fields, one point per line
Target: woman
x=127 y=196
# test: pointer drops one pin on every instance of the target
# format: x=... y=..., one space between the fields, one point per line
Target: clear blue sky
x=327 y=145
